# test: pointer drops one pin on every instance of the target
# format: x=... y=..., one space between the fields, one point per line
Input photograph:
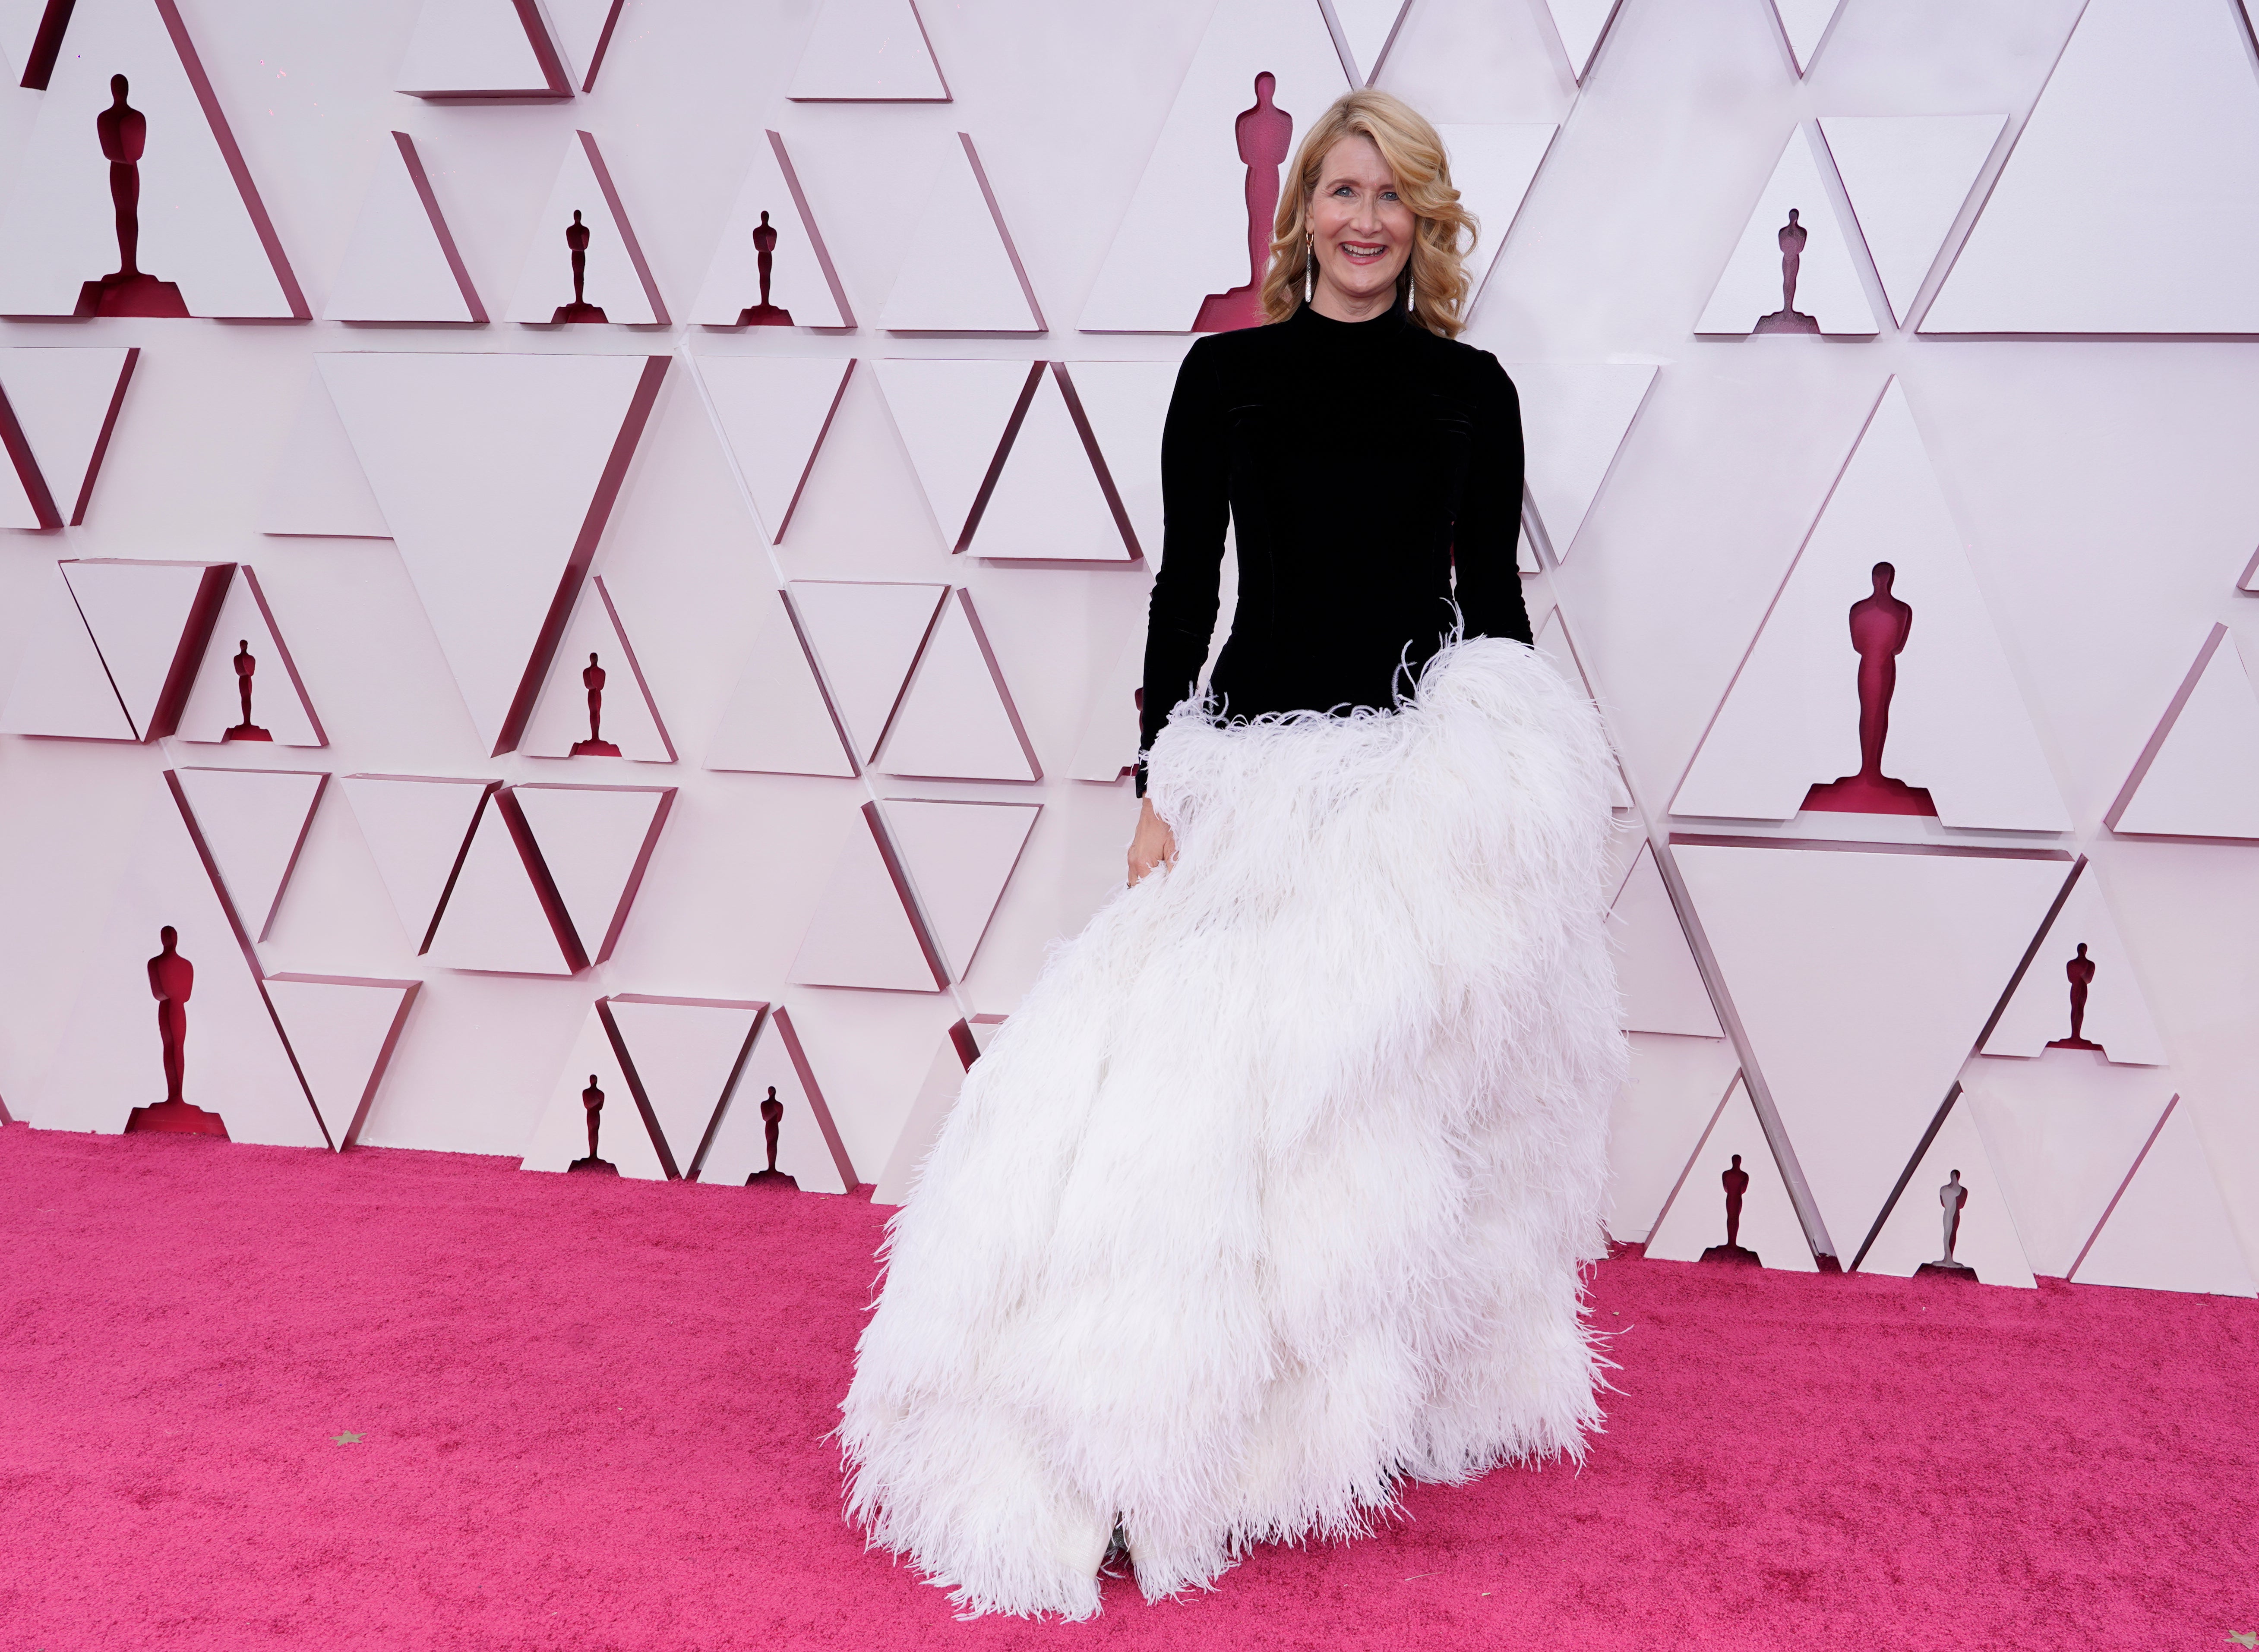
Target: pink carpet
x=581 y=1412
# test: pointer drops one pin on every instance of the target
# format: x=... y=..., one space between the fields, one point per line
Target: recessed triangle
x=1752 y=294
x=772 y=413
x=343 y=1031
x=771 y=218
x=583 y=32
x=682 y=1055
x=935 y=1098
x=2149 y=123
x=1671 y=1092
x=1958 y=727
x=596 y=696
x=868 y=51
x=496 y=475
x=865 y=639
x=1862 y=978
x=625 y=1143
x=809 y=1148
x=959 y=857
x=956 y=419
x=150 y=622
x=1805 y=23
x=957 y=720
x=1125 y=404
x=481 y=50
x=1581 y=25
x=1364 y=30
x=1694 y=1221
x=584 y=214
x=2080 y=948
x=865 y=932
x=778 y=721
x=2167 y=1228
x=1985 y=1238
x=594 y=844
x=1049 y=502
x=2198 y=775
x=963 y=275
x=498 y=917
x=246 y=652
x=64 y=404
x=1662 y=987
x=1575 y=415
x=1186 y=235
x=418 y=829
x=62 y=690
x=252 y=822
x=401 y=263
x=205 y=246
x=110 y=1058
x=1908 y=177
x=319 y=486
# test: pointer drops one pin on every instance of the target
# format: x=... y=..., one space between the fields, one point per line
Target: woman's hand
x=1152 y=845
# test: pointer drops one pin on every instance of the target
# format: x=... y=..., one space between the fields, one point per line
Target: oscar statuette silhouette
x=593 y=680
x=172 y=978
x=247 y=664
x=765 y=314
x=1788 y=318
x=123 y=132
x=576 y=242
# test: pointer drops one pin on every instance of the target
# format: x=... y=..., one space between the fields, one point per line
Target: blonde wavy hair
x=1444 y=232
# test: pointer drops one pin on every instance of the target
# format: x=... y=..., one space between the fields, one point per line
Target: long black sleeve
x=1362 y=467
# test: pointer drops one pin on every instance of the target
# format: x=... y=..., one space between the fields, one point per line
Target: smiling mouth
x=1363 y=251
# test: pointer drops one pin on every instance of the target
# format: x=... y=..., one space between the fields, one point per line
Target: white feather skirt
x=1276 y=1190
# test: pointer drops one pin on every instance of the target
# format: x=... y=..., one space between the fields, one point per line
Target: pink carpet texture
x=261 y=1397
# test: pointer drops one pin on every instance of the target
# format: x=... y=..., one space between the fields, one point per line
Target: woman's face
x=1361 y=231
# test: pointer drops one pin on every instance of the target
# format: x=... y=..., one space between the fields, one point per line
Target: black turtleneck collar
x=1325 y=330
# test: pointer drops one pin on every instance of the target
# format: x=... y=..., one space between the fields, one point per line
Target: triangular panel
x=401 y=263
x=773 y=412
x=1186 y=236
x=799 y=288
x=686 y=1054
x=624 y=716
x=150 y=622
x=1752 y=291
x=1048 y=502
x=1493 y=167
x=1908 y=177
x=963 y=273
x=1553 y=641
x=957 y=420
x=497 y=917
x=65 y=403
x=778 y=721
x=1107 y=751
x=1575 y=416
x=2199 y=776
x=866 y=637
x=1674 y=1089
x=2080 y=948
x=959 y=857
x=1985 y=1238
x=247 y=648
x=319 y=486
x=614 y=284
x=583 y=32
x=1366 y=29
x=864 y=933
x=1662 y=986
x=1805 y=25
x=496 y=473
x=417 y=828
x=1863 y=978
x=1958 y=727
x=1695 y=1218
x=343 y=1030
x=61 y=687
x=2168 y=1229
x=2149 y=124
x=252 y=822
x=623 y=1136
x=957 y=720
x=809 y=1148
x=1126 y=404
x=868 y=51
x=109 y=1060
x=481 y=50
x=204 y=244
x=1581 y=25
x=595 y=842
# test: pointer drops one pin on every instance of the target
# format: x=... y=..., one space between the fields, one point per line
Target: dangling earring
x=1309 y=269
x=1407 y=288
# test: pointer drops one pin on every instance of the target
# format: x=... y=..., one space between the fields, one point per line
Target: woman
x=1273 y=1192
